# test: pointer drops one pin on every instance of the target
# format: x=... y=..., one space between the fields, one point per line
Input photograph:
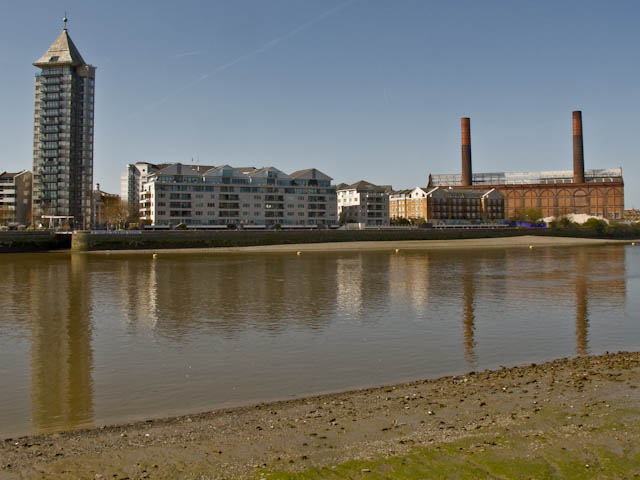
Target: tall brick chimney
x=578 y=152
x=466 y=151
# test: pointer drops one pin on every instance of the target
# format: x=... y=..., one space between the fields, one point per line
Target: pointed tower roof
x=61 y=52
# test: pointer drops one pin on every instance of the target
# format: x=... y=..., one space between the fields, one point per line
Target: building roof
x=310 y=174
x=527 y=178
x=364 y=185
x=61 y=52
x=12 y=174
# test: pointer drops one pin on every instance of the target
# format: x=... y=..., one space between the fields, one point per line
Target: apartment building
x=131 y=181
x=364 y=203
x=457 y=205
x=63 y=134
x=410 y=204
x=15 y=197
x=196 y=196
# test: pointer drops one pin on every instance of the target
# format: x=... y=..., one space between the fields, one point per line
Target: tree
x=527 y=214
x=114 y=212
x=598 y=226
x=400 y=221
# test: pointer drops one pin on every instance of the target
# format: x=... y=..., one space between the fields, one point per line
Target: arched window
x=564 y=202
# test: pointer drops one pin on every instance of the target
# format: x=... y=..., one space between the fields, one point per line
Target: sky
x=359 y=89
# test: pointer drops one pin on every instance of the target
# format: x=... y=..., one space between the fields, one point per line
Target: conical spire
x=61 y=52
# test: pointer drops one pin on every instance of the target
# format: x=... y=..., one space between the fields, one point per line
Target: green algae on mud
x=499 y=456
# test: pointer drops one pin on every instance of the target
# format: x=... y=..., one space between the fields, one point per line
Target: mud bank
x=571 y=418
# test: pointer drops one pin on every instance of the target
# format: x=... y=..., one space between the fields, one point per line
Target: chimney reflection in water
x=582 y=310
x=469 y=317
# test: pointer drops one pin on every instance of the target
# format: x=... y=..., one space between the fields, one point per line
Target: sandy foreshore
x=502 y=242
x=579 y=414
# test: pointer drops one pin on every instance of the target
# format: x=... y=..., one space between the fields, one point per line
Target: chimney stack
x=466 y=151
x=578 y=152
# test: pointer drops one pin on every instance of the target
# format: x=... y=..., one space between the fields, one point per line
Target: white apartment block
x=196 y=196
x=131 y=181
x=364 y=203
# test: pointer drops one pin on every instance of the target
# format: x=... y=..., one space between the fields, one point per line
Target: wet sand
x=503 y=242
x=586 y=409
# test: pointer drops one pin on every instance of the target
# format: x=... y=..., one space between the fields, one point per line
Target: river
x=90 y=339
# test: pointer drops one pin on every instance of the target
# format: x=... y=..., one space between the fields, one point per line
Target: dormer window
x=54 y=59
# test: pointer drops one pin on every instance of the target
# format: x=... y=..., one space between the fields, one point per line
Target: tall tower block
x=63 y=134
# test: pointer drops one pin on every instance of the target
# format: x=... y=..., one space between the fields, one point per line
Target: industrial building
x=594 y=192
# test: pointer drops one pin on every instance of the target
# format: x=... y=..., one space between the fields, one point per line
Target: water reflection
x=276 y=325
x=469 y=318
x=582 y=305
x=61 y=351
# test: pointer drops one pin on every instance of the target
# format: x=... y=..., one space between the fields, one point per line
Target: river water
x=89 y=339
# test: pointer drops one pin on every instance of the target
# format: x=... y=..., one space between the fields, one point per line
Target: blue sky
x=366 y=89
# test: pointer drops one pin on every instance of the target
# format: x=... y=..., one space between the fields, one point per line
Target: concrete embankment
x=16 y=242
x=85 y=241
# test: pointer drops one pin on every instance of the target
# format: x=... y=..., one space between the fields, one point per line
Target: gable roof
x=310 y=174
x=364 y=185
x=61 y=52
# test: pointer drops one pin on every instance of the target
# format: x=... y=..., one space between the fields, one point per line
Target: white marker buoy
x=298 y=253
x=397 y=250
x=633 y=244
x=530 y=246
x=154 y=256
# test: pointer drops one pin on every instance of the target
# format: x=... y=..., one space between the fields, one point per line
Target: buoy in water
x=397 y=250
x=633 y=244
x=298 y=253
x=154 y=256
x=530 y=246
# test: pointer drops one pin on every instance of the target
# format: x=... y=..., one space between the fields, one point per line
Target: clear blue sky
x=369 y=89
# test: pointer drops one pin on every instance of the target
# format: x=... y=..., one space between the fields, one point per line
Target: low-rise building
x=197 y=196
x=458 y=205
x=447 y=205
x=15 y=197
x=107 y=209
x=364 y=203
x=410 y=204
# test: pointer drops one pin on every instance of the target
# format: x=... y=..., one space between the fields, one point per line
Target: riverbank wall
x=18 y=242
x=85 y=241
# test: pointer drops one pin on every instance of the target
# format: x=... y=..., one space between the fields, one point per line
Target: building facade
x=131 y=181
x=364 y=203
x=107 y=209
x=556 y=193
x=447 y=205
x=15 y=198
x=410 y=204
x=458 y=205
x=199 y=196
x=63 y=134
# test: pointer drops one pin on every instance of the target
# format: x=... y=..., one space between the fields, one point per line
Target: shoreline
x=579 y=397
x=523 y=241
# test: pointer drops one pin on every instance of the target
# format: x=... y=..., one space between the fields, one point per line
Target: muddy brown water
x=91 y=339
